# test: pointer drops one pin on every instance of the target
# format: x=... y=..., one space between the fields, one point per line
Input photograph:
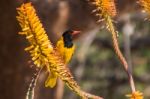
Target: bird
x=66 y=48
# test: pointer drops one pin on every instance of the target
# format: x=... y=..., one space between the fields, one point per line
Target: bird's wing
x=66 y=54
x=52 y=78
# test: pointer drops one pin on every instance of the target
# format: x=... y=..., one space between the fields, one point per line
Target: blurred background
x=94 y=65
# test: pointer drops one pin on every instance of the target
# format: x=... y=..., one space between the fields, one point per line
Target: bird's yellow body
x=66 y=54
x=64 y=51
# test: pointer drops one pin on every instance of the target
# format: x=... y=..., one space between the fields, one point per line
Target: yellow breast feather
x=64 y=51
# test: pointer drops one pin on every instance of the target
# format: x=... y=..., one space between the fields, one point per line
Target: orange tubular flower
x=105 y=7
x=135 y=95
x=106 y=10
x=146 y=5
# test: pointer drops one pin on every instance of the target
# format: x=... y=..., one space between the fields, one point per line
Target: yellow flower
x=40 y=46
x=135 y=95
x=42 y=51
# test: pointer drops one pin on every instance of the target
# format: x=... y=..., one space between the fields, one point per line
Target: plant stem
x=119 y=53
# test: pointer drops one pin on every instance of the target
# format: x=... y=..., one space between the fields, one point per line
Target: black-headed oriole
x=66 y=48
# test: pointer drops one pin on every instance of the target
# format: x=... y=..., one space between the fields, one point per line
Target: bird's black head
x=68 y=37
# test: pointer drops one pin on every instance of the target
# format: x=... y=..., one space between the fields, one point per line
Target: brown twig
x=119 y=53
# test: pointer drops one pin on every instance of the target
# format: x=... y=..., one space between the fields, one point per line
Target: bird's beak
x=76 y=32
